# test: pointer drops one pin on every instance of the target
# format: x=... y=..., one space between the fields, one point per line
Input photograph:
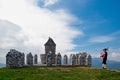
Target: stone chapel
x=49 y=56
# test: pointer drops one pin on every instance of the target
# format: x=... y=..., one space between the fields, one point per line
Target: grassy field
x=58 y=73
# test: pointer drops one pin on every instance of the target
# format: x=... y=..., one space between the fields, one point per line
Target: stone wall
x=15 y=59
x=82 y=59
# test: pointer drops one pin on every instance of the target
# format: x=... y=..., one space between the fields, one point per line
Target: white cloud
x=101 y=39
x=49 y=2
x=114 y=56
x=11 y=35
x=29 y=26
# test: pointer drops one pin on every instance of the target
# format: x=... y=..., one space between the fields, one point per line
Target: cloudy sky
x=75 y=26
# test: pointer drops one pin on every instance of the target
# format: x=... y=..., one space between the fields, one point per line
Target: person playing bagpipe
x=103 y=55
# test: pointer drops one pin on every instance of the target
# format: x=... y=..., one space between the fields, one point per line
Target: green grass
x=58 y=73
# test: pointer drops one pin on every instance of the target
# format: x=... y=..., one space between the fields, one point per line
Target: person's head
x=105 y=49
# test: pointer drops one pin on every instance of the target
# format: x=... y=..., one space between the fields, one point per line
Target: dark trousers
x=104 y=61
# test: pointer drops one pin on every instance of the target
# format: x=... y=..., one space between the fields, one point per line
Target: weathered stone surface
x=23 y=59
x=14 y=59
x=49 y=59
x=72 y=59
x=43 y=58
x=50 y=49
x=35 y=59
x=29 y=59
x=88 y=60
x=50 y=46
x=77 y=59
x=82 y=59
x=65 y=59
x=58 y=59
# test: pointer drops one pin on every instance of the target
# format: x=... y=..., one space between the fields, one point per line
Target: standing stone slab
x=65 y=59
x=58 y=59
x=72 y=59
x=82 y=59
x=49 y=59
x=14 y=59
x=29 y=59
x=71 y=55
x=35 y=59
x=88 y=60
x=23 y=59
x=77 y=59
x=43 y=58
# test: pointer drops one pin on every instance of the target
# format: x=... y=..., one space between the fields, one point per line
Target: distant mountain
x=2 y=65
x=97 y=62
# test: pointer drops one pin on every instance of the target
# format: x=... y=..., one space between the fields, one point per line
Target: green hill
x=58 y=73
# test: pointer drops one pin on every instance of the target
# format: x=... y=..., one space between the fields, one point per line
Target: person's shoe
x=105 y=66
x=102 y=65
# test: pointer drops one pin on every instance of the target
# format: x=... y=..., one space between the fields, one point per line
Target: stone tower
x=50 y=46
